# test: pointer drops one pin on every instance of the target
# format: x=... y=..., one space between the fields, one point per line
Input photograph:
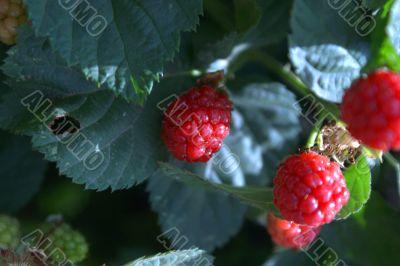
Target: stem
x=284 y=73
x=192 y=73
x=315 y=130
x=313 y=136
x=272 y=65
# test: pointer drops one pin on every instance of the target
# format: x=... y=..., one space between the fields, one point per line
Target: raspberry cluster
x=195 y=124
x=12 y=15
x=310 y=189
x=9 y=232
x=371 y=109
x=289 y=234
x=71 y=244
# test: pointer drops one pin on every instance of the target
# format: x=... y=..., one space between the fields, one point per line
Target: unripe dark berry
x=9 y=232
x=66 y=244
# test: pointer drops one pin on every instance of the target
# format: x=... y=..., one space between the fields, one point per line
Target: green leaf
x=111 y=133
x=187 y=257
x=317 y=253
x=273 y=25
x=242 y=144
x=352 y=239
x=269 y=110
x=265 y=128
x=385 y=39
x=258 y=197
x=271 y=120
x=373 y=4
x=243 y=8
x=21 y=172
x=205 y=219
x=358 y=181
x=325 y=48
x=129 y=54
x=270 y=26
x=226 y=17
x=272 y=123
x=388 y=182
x=289 y=257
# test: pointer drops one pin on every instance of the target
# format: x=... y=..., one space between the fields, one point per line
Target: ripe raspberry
x=289 y=234
x=309 y=189
x=9 y=232
x=68 y=242
x=195 y=124
x=371 y=109
x=12 y=15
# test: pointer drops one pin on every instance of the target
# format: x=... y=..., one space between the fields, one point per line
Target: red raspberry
x=289 y=234
x=195 y=124
x=309 y=189
x=371 y=109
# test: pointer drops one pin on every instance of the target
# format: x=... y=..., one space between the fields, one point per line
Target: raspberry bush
x=175 y=127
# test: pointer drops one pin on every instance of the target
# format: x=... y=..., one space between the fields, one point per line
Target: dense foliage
x=86 y=87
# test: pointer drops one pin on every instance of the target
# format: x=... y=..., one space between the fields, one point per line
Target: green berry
x=70 y=244
x=9 y=232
